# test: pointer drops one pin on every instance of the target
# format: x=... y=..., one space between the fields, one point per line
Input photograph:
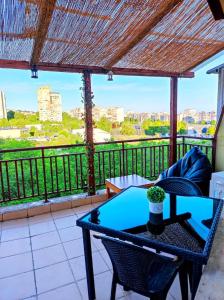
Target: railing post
x=44 y=174
x=183 y=146
x=123 y=161
x=88 y=105
x=214 y=143
x=173 y=120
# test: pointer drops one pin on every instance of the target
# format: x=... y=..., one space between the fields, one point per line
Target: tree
x=4 y=123
x=10 y=114
x=211 y=130
x=70 y=122
x=104 y=124
x=182 y=127
x=127 y=128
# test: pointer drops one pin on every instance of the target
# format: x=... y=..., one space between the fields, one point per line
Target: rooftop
x=157 y=37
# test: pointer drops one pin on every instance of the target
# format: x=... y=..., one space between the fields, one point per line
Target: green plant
x=156 y=194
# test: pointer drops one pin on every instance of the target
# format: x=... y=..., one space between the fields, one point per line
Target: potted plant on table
x=156 y=196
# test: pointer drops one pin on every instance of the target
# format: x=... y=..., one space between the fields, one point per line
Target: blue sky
x=141 y=94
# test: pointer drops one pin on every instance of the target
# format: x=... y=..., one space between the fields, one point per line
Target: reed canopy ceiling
x=160 y=36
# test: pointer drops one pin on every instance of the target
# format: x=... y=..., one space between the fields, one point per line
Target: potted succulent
x=156 y=196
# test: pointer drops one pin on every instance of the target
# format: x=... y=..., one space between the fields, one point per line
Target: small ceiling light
x=34 y=72
x=110 y=76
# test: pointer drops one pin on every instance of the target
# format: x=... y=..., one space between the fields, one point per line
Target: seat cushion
x=194 y=166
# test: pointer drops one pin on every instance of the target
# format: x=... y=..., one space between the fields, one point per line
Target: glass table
x=186 y=228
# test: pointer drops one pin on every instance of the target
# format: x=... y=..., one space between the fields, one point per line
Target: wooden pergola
x=163 y=38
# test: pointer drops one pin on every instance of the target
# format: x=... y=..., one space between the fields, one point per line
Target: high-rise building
x=3 y=112
x=49 y=105
x=115 y=114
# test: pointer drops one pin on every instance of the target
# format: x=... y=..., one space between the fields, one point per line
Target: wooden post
x=88 y=105
x=173 y=120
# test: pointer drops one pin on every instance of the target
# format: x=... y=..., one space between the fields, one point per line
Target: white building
x=115 y=114
x=10 y=133
x=99 y=135
x=3 y=112
x=49 y=105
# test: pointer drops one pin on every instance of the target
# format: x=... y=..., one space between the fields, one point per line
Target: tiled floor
x=42 y=258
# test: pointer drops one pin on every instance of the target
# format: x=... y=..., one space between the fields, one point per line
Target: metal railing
x=44 y=172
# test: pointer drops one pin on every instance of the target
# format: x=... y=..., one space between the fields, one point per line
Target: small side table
x=117 y=184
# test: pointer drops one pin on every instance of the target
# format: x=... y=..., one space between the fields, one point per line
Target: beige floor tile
x=63 y=213
x=14 y=233
x=65 y=222
x=175 y=291
x=68 y=292
x=14 y=247
x=74 y=248
x=15 y=223
x=45 y=240
x=70 y=233
x=48 y=256
x=99 y=264
x=43 y=227
x=52 y=277
x=40 y=218
x=78 y=266
x=79 y=215
x=15 y=264
x=170 y=297
x=17 y=287
x=98 y=243
x=102 y=285
x=106 y=258
x=83 y=208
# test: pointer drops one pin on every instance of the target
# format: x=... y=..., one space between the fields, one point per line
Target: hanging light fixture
x=110 y=76
x=34 y=72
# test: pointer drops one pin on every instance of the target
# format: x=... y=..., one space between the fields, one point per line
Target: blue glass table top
x=187 y=222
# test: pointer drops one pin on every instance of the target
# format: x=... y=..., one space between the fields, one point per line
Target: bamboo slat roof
x=170 y=36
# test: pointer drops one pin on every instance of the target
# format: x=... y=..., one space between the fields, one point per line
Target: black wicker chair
x=179 y=186
x=143 y=271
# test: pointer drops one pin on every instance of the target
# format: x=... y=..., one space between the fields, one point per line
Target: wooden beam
x=217 y=8
x=173 y=120
x=24 y=65
x=88 y=105
x=153 y=21
x=78 y=12
x=46 y=10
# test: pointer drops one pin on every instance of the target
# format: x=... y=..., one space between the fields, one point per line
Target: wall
x=10 y=133
x=219 y=163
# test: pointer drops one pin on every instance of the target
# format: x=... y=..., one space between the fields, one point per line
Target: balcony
x=33 y=250
x=42 y=256
x=44 y=172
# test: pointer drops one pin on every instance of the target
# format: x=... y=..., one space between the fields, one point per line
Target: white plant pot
x=156 y=208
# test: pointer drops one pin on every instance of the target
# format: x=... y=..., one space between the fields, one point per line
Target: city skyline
x=133 y=93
